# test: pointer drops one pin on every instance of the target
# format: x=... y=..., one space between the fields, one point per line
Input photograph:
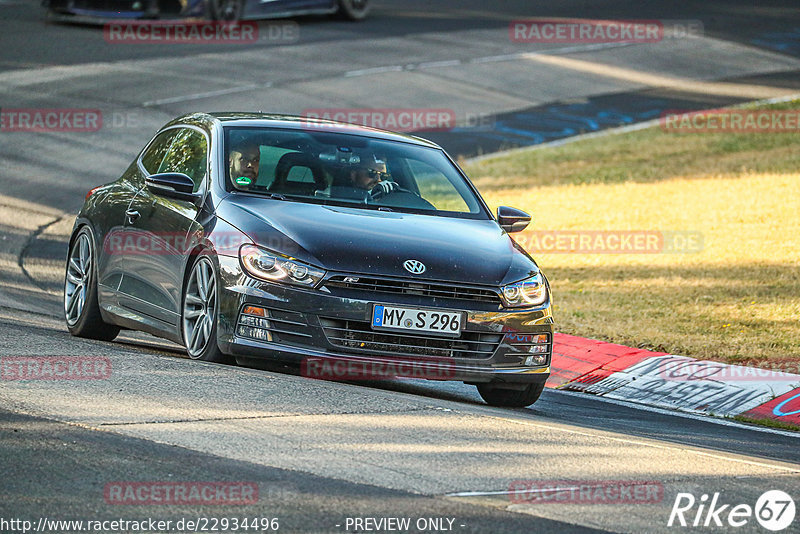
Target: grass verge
x=736 y=299
x=771 y=423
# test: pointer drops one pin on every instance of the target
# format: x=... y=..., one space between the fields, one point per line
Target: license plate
x=444 y=323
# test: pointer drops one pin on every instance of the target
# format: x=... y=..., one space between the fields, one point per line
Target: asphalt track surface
x=321 y=452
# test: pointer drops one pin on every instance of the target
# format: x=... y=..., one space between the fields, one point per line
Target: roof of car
x=252 y=119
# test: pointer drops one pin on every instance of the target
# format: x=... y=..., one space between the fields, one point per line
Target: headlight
x=273 y=267
x=529 y=292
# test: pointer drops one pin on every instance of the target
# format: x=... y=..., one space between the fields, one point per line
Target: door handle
x=131 y=216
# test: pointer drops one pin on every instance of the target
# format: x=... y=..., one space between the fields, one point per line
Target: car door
x=153 y=275
x=118 y=241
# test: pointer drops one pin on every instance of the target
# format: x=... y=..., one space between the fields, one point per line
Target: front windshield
x=343 y=169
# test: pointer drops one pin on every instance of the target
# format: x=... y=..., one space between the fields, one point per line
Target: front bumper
x=332 y=324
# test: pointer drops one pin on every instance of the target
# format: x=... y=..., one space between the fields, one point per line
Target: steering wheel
x=397 y=189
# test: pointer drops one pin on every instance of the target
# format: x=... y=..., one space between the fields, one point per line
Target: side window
x=155 y=153
x=300 y=174
x=188 y=154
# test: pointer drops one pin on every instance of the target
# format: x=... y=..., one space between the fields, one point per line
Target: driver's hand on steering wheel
x=383 y=188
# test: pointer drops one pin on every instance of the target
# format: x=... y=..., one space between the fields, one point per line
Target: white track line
x=197 y=96
x=373 y=70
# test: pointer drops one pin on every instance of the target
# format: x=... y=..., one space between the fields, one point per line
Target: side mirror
x=512 y=219
x=173 y=185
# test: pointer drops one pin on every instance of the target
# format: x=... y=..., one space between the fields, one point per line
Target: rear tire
x=510 y=398
x=81 y=308
x=200 y=312
x=354 y=9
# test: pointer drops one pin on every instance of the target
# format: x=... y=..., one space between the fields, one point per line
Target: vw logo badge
x=414 y=266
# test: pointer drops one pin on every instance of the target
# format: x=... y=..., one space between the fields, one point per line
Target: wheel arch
x=191 y=258
x=80 y=223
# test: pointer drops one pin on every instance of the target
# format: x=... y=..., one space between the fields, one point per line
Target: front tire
x=510 y=398
x=200 y=312
x=354 y=9
x=81 y=308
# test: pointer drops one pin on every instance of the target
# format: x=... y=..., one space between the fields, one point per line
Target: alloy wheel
x=79 y=269
x=199 y=308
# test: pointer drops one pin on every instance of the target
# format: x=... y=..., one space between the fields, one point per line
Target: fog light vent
x=253 y=323
x=533 y=361
x=538 y=346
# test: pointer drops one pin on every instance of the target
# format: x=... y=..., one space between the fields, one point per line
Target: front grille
x=407 y=287
x=357 y=336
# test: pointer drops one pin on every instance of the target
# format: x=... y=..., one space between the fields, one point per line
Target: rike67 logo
x=774 y=510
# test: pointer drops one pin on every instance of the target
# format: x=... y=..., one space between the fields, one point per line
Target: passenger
x=244 y=162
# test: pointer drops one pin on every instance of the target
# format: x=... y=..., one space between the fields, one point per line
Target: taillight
x=91 y=191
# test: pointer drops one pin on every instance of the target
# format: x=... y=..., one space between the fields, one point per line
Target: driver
x=371 y=175
x=243 y=162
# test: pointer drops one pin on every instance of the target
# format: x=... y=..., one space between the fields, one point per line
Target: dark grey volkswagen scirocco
x=250 y=237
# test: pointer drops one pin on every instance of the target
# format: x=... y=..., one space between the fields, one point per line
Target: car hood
x=364 y=241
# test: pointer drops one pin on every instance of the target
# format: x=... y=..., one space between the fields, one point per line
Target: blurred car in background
x=225 y=10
